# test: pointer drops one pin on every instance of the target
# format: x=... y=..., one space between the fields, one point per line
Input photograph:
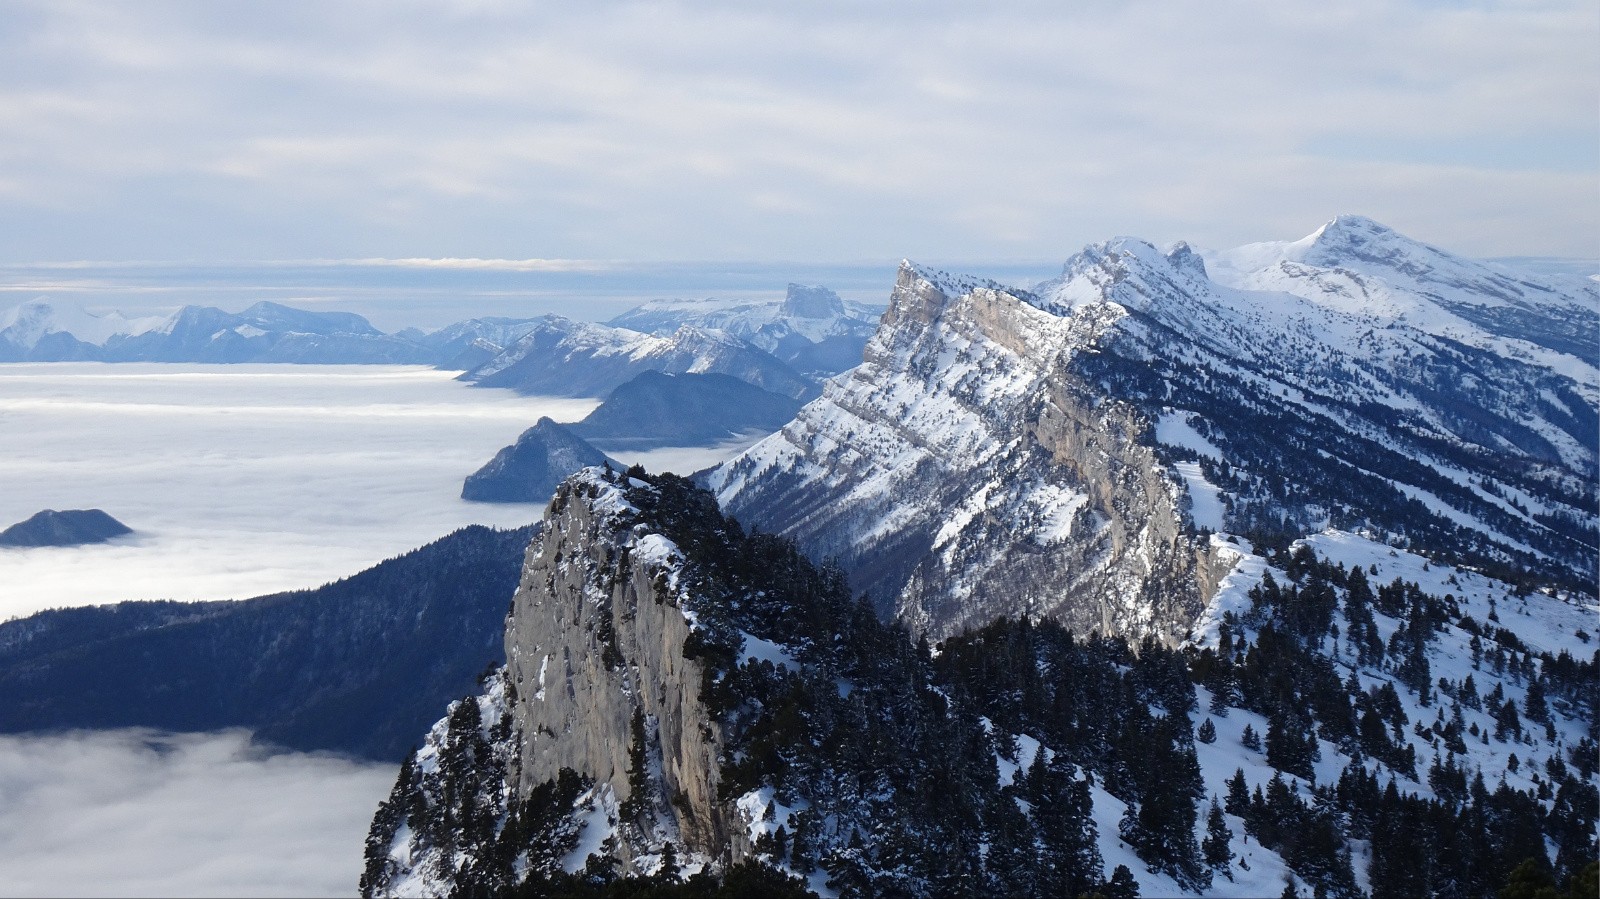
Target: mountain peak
x=1349 y=239
x=803 y=301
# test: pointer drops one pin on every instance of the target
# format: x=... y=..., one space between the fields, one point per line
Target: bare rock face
x=962 y=472
x=596 y=639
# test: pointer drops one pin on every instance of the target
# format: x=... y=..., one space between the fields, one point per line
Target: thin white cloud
x=497 y=265
x=146 y=813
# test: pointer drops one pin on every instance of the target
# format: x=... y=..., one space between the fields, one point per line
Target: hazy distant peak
x=23 y=325
x=803 y=301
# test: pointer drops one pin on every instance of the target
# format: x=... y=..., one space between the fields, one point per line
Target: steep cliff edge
x=687 y=702
x=595 y=653
x=594 y=729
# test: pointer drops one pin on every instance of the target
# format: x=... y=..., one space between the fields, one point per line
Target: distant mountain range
x=812 y=329
x=782 y=346
x=561 y=357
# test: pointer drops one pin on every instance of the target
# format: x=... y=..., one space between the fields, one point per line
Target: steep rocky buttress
x=962 y=473
x=597 y=705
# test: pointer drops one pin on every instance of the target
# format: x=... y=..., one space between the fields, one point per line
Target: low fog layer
x=242 y=480
x=143 y=813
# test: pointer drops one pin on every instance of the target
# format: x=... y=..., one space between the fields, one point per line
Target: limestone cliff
x=593 y=742
x=595 y=638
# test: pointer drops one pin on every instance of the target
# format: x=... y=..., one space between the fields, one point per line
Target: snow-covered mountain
x=44 y=331
x=1063 y=451
x=1362 y=267
x=264 y=332
x=812 y=328
x=562 y=357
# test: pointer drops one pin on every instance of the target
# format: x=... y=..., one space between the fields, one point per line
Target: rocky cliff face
x=595 y=641
x=962 y=472
x=593 y=745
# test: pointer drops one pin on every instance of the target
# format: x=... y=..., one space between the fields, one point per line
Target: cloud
x=821 y=131
x=496 y=265
x=241 y=480
x=147 y=813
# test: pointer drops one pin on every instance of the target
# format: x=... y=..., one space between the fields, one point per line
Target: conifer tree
x=1218 y=836
x=1249 y=739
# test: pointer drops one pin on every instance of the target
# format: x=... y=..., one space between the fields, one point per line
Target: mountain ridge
x=1315 y=413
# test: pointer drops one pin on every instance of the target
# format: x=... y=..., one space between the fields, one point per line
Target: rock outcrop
x=600 y=689
x=595 y=639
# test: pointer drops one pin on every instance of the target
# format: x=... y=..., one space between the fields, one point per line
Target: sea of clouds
x=241 y=480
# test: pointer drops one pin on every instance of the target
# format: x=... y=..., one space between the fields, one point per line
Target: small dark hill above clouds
x=361 y=665
x=69 y=527
x=660 y=409
x=529 y=470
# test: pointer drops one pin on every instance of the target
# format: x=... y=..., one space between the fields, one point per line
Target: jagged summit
x=948 y=283
x=1125 y=270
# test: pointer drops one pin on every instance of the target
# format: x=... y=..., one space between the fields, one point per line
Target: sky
x=570 y=134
